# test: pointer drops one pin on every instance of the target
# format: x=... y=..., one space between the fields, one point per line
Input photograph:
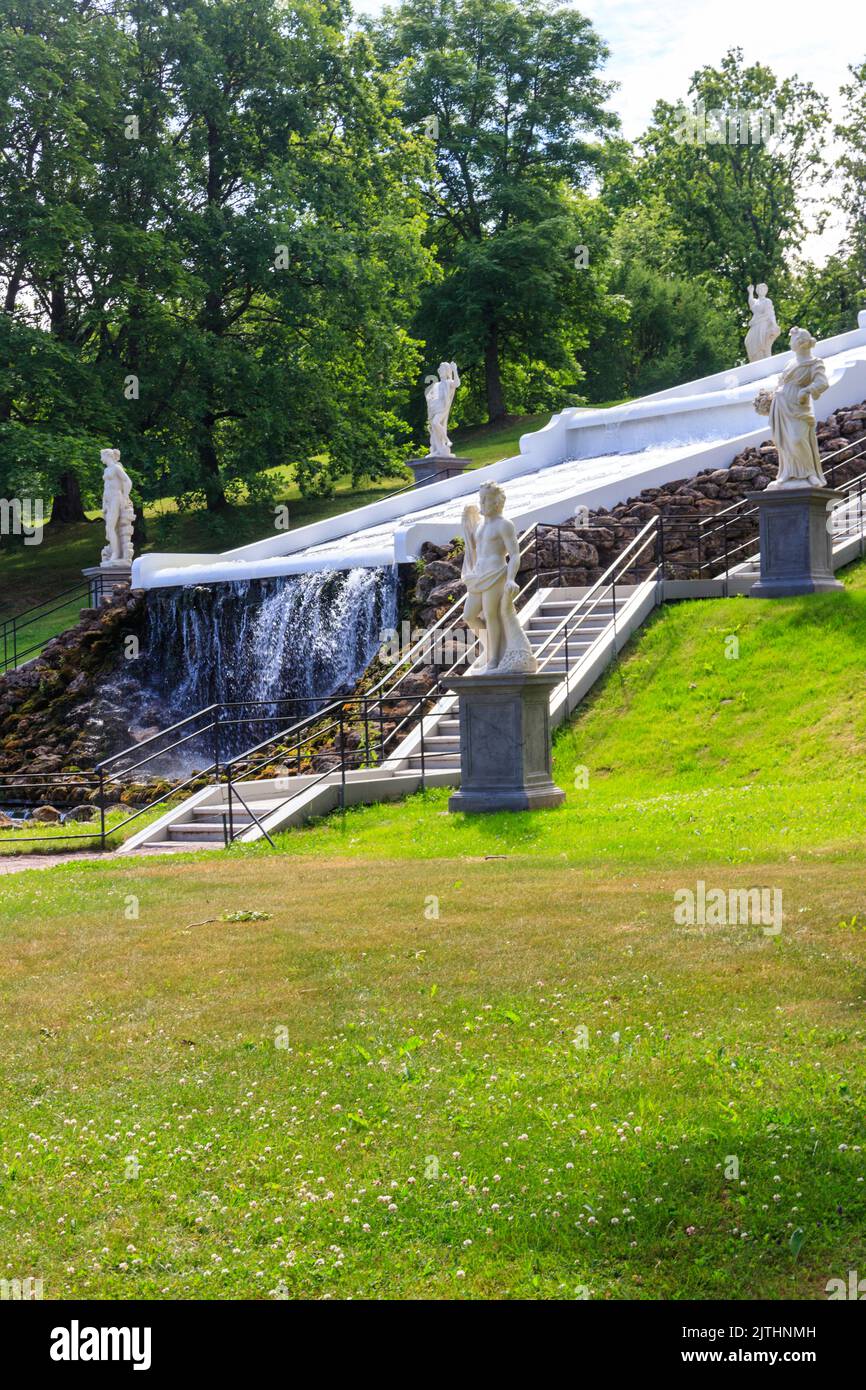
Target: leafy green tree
x=60 y=66
x=735 y=184
x=213 y=233
x=852 y=166
x=509 y=94
x=826 y=297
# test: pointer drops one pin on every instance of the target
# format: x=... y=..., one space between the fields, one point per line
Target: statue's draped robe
x=793 y=425
x=439 y=396
x=763 y=330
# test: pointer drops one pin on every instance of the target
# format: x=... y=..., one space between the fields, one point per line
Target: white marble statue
x=439 y=396
x=117 y=510
x=490 y=563
x=763 y=330
x=792 y=418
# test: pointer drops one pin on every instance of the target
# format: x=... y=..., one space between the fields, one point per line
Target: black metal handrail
x=12 y=652
x=589 y=602
x=825 y=459
x=749 y=514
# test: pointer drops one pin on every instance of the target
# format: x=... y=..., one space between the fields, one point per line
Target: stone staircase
x=429 y=755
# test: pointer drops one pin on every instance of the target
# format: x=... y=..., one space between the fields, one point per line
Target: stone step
x=439 y=765
x=593 y=605
x=204 y=830
x=577 y=635
x=547 y=624
x=177 y=844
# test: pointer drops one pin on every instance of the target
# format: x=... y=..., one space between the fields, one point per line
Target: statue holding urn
x=795 y=535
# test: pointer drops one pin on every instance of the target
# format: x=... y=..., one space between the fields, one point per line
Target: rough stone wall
x=50 y=717
x=587 y=551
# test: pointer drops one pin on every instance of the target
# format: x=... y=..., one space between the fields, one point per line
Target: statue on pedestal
x=792 y=418
x=439 y=396
x=117 y=510
x=490 y=565
x=763 y=330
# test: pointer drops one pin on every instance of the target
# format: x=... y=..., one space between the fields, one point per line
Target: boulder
x=446 y=593
x=46 y=815
x=441 y=572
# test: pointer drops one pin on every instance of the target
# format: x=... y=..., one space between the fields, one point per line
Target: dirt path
x=18 y=863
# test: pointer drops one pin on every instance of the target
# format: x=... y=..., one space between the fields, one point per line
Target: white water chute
x=582 y=457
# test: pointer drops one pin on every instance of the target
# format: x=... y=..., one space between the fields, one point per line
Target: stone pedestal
x=435 y=468
x=796 y=544
x=505 y=743
x=103 y=580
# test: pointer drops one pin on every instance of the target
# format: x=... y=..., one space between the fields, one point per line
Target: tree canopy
x=236 y=234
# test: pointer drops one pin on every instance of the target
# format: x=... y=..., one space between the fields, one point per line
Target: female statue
x=117 y=509
x=439 y=396
x=792 y=419
x=763 y=330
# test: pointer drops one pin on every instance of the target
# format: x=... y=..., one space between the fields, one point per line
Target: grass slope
x=694 y=748
x=446 y=1080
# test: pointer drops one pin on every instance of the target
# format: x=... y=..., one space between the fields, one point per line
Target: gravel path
x=17 y=863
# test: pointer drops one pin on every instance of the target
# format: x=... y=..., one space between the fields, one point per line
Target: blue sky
x=655 y=49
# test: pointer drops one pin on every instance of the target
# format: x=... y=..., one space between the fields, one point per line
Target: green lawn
x=75 y=837
x=413 y=1055
x=449 y=1080
x=686 y=752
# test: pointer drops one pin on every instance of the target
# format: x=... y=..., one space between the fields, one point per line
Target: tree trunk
x=139 y=530
x=492 y=377
x=210 y=467
x=67 y=505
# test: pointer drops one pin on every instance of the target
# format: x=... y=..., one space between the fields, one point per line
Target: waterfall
x=301 y=637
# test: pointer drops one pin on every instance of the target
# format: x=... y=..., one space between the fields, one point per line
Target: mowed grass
x=729 y=731
x=459 y=1079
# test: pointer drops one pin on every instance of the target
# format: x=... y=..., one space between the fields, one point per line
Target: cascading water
x=302 y=637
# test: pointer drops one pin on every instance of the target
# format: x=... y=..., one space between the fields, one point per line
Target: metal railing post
x=423 y=762
x=342 y=764
x=102 y=810
x=231 y=820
